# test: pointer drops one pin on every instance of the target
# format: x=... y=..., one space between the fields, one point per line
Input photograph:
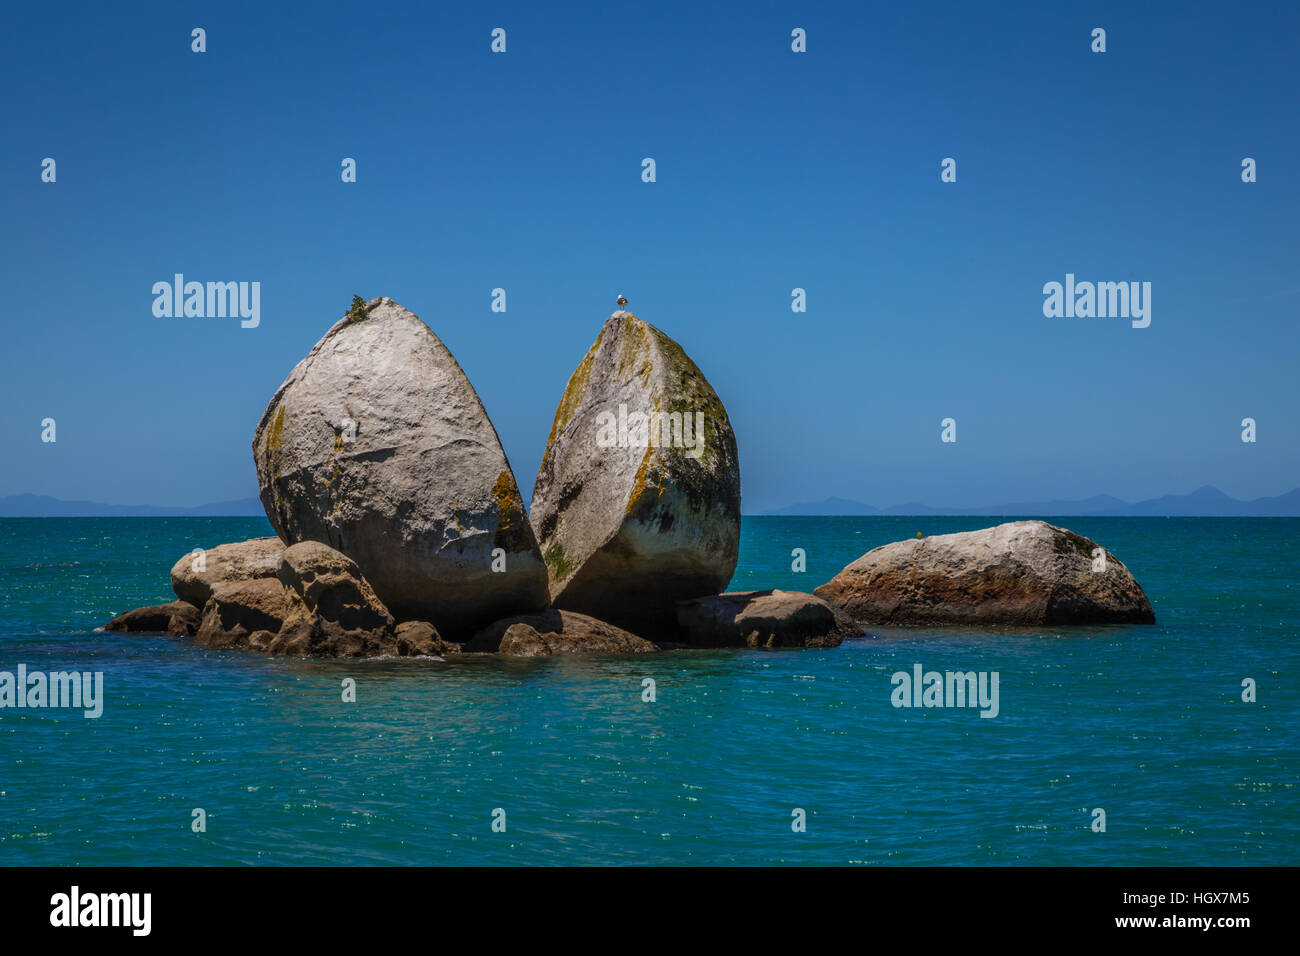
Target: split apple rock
x=402 y=532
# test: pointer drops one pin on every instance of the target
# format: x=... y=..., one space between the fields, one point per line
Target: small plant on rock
x=359 y=309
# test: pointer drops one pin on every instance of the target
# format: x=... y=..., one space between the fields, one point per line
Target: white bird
x=621 y=301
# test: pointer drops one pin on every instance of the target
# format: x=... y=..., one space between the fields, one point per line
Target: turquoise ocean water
x=1146 y=723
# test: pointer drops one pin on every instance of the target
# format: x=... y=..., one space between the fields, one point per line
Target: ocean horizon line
x=1206 y=501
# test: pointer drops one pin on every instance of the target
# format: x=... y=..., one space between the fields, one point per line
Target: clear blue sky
x=775 y=170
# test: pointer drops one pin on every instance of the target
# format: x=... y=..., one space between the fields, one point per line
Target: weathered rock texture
x=762 y=619
x=556 y=632
x=240 y=561
x=628 y=530
x=177 y=619
x=238 y=609
x=1019 y=573
x=260 y=640
x=330 y=609
x=420 y=638
x=378 y=445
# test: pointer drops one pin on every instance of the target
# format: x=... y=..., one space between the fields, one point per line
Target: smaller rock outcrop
x=762 y=619
x=420 y=638
x=238 y=609
x=1018 y=573
x=330 y=609
x=194 y=575
x=553 y=632
x=177 y=619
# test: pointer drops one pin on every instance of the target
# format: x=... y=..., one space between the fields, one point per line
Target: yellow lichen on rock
x=639 y=483
x=634 y=349
x=510 y=504
x=572 y=397
x=273 y=439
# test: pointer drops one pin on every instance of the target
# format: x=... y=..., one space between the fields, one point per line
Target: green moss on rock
x=556 y=563
x=1068 y=540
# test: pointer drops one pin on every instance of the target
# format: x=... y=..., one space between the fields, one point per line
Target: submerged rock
x=177 y=619
x=194 y=575
x=556 y=632
x=377 y=445
x=238 y=609
x=762 y=619
x=1019 y=573
x=637 y=502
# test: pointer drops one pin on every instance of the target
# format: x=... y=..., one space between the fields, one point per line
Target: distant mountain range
x=43 y=506
x=1205 y=502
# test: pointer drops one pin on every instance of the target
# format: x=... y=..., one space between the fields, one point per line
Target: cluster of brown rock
x=402 y=532
x=309 y=600
x=401 y=529
x=306 y=600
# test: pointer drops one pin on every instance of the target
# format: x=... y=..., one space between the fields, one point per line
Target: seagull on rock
x=622 y=301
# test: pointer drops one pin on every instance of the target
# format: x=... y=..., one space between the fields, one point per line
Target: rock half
x=637 y=502
x=378 y=446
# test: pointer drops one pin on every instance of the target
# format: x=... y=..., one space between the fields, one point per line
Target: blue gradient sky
x=775 y=170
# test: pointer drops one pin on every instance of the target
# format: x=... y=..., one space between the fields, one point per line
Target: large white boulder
x=377 y=445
